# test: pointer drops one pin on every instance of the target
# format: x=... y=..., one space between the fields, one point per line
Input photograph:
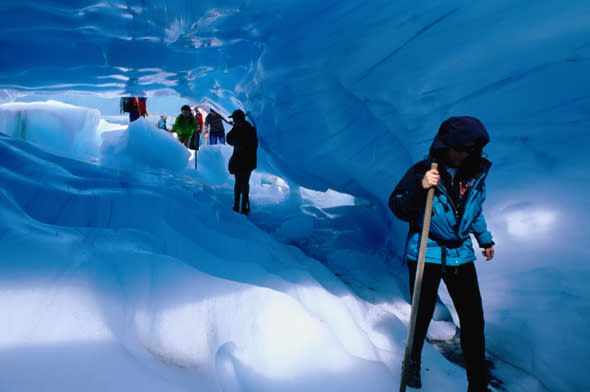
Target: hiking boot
x=413 y=374
x=236 y=202
x=246 y=207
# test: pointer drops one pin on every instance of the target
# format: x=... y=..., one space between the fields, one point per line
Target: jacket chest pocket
x=473 y=208
x=442 y=210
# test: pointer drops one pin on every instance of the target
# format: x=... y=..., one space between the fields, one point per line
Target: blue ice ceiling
x=381 y=75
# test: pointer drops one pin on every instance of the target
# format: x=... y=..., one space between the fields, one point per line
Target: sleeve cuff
x=487 y=245
x=485 y=240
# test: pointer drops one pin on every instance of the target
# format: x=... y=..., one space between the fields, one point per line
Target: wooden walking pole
x=418 y=282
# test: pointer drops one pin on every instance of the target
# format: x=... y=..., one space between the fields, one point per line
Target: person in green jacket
x=185 y=125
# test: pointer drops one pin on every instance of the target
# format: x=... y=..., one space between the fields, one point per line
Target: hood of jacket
x=457 y=131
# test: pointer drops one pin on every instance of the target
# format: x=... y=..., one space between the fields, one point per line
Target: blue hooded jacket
x=457 y=208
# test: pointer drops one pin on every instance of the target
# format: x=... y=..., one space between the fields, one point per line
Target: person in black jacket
x=243 y=160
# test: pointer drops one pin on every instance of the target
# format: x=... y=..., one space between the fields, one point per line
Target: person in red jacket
x=199 y=117
x=137 y=108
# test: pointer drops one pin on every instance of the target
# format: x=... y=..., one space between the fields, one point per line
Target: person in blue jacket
x=161 y=124
x=457 y=213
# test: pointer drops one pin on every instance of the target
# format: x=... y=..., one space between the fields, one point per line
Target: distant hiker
x=162 y=123
x=456 y=213
x=136 y=107
x=195 y=140
x=134 y=112
x=142 y=104
x=199 y=116
x=214 y=127
x=243 y=160
x=184 y=126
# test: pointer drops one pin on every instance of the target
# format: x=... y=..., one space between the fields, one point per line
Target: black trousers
x=242 y=187
x=463 y=287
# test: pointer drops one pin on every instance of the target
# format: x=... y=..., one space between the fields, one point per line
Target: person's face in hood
x=458 y=138
x=456 y=155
